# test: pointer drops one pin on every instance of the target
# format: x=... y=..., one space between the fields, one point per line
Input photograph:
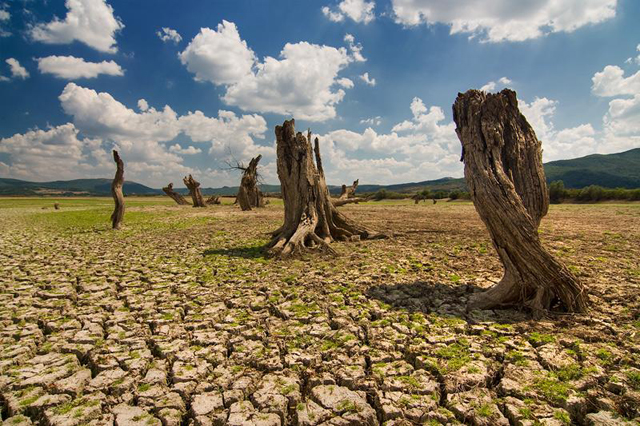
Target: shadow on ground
x=250 y=252
x=440 y=299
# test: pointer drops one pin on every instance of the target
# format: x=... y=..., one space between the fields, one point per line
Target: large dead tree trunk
x=249 y=195
x=116 y=192
x=194 y=190
x=178 y=198
x=310 y=218
x=503 y=168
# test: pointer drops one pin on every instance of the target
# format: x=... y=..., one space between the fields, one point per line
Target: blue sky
x=182 y=87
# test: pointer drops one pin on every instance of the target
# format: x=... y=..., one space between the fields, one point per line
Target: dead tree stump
x=348 y=195
x=348 y=191
x=116 y=192
x=178 y=198
x=249 y=195
x=194 y=190
x=310 y=218
x=214 y=199
x=503 y=168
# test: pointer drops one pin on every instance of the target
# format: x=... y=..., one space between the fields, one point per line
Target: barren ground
x=179 y=319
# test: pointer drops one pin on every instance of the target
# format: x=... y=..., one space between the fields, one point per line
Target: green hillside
x=70 y=187
x=620 y=170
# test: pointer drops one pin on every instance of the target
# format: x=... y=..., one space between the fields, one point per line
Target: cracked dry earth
x=178 y=319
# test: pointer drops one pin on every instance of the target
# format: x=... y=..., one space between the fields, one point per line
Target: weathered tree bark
x=194 y=190
x=249 y=195
x=178 y=198
x=503 y=168
x=116 y=192
x=310 y=218
x=214 y=199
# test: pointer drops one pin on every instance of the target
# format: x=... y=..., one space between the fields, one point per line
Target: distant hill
x=620 y=170
x=70 y=187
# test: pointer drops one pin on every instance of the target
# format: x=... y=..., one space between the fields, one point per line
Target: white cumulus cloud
x=191 y=150
x=354 y=48
x=558 y=144
x=491 y=86
x=88 y=21
x=372 y=121
x=17 y=70
x=622 y=120
x=168 y=34
x=505 y=20
x=420 y=148
x=55 y=153
x=358 y=10
x=301 y=82
x=636 y=59
x=369 y=81
x=612 y=82
x=147 y=138
x=4 y=17
x=72 y=68
x=220 y=56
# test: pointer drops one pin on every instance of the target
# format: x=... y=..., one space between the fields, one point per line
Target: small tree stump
x=116 y=192
x=249 y=195
x=56 y=206
x=214 y=199
x=503 y=168
x=178 y=198
x=348 y=191
x=310 y=218
x=194 y=190
x=348 y=195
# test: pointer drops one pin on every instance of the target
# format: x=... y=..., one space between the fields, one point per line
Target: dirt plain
x=179 y=319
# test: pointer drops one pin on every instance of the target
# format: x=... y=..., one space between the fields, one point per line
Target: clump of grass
x=517 y=358
x=563 y=417
x=456 y=354
x=552 y=389
x=348 y=406
x=411 y=382
x=634 y=379
x=570 y=372
x=286 y=390
x=485 y=410
x=539 y=339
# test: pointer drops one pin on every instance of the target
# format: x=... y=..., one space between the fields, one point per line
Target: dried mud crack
x=179 y=319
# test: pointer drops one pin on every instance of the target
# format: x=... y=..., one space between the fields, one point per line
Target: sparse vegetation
x=234 y=315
